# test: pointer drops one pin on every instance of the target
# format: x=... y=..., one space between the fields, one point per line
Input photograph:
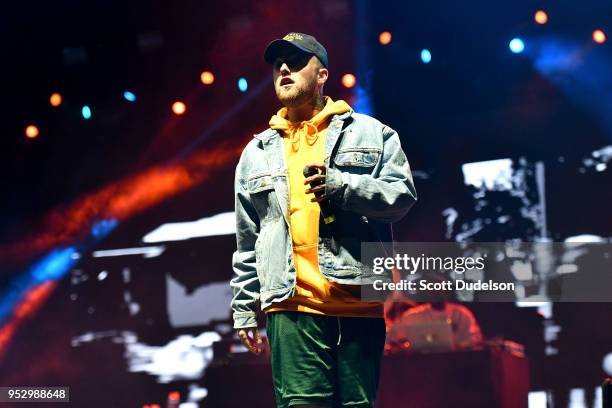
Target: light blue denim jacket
x=369 y=184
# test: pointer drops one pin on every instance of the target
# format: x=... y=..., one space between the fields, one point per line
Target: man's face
x=295 y=77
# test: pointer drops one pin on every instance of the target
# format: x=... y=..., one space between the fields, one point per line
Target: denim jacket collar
x=271 y=133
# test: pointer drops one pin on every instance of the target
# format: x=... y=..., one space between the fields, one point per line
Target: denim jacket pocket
x=359 y=160
x=259 y=182
x=261 y=190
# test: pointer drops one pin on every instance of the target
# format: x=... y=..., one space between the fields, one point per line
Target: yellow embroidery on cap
x=292 y=37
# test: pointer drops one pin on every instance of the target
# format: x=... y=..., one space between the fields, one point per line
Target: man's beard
x=297 y=96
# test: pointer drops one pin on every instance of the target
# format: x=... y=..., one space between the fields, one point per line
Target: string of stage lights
x=348 y=80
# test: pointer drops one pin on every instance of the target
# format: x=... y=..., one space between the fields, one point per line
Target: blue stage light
x=425 y=56
x=102 y=228
x=129 y=96
x=54 y=265
x=516 y=45
x=86 y=112
x=243 y=85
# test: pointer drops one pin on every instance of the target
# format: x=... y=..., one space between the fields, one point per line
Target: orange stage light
x=179 y=108
x=207 y=78
x=349 y=80
x=385 y=38
x=31 y=132
x=599 y=36
x=55 y=99
x=541 y=17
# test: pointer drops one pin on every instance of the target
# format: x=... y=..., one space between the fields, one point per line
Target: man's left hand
x=319 y=180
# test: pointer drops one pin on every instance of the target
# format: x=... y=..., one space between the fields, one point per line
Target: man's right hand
x=251 y=339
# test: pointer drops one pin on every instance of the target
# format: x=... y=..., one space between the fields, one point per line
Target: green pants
x=325 y=360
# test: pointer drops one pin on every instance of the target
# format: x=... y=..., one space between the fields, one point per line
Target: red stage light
x=349 y=80
x=385 y=38
x=599 y=36
x=31 y=132
x=541 y=17
x=179 y=108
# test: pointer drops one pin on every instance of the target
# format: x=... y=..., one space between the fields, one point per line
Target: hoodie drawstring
x=339 y=331
x=311 y=132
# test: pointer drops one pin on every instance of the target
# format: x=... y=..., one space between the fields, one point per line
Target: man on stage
x=308 y=190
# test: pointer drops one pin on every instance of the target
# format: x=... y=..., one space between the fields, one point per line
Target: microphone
x=326 y=209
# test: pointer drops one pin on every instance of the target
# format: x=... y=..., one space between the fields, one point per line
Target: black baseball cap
x=303 y=42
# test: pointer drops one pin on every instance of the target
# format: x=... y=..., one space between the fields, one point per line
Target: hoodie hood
x=308 y=129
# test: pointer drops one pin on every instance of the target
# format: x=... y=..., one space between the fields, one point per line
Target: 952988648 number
x=34 y=394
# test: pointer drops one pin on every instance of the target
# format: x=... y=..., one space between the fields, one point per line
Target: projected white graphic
x=220 y=224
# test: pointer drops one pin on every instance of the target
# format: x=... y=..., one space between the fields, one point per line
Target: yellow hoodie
x=304 y=143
